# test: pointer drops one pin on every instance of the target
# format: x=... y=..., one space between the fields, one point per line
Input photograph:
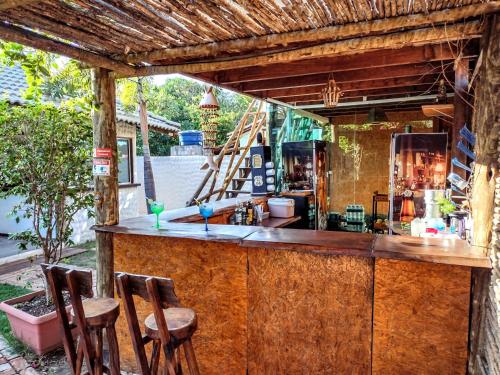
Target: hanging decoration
x=331 y=93
x=209 y=107
x=209 y=118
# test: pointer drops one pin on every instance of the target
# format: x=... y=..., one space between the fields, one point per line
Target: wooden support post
x=485 y=333
x=462 y=109
x=106 y=187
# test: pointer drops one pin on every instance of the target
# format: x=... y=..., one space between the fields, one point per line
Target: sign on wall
x=101 y=167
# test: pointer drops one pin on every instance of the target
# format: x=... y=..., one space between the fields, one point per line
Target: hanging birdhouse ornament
x=209 y=118
x=331 y=93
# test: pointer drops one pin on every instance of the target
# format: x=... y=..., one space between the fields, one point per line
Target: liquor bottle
x=237 y=214
x=249 y=213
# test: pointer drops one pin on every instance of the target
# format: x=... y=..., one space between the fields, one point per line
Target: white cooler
x=281 y=207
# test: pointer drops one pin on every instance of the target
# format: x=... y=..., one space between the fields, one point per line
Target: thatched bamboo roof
x=265 y=48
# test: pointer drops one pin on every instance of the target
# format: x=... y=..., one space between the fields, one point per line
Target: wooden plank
x=329 y=33
x=467 y=30
x=105 y=187
x=210 y=281
x=375 y=59
x=309 y=314
x=419 y=87
x=421 y=318
x=353 y=76
x=436 y=250
x=34 y=40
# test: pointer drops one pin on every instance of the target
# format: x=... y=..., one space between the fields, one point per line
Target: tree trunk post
x=105 y=187
x=149 y=181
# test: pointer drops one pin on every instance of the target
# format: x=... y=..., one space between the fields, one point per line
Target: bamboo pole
x=9 y=4
x=344 y=47
x=329 y=33
x=34 y=40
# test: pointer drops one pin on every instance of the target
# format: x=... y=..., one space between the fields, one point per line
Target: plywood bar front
x=285 y=301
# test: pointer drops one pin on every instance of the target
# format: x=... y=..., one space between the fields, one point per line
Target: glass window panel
x=124 y=161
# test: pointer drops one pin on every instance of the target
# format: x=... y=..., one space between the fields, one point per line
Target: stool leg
x=114 y=354
x=169 y=359
x=79 y=358
x=178 y=364
x=98 y=352
x=155 y=357
x=191 y=358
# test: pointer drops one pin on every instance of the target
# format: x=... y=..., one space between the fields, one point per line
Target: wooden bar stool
x=168 y=328
x=90 y=317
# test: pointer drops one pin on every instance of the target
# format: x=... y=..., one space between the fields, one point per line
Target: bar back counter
x=288 y=301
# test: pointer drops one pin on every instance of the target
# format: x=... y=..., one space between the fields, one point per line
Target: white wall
x=176 y=179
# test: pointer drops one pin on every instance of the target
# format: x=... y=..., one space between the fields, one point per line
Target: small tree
x=45 y=156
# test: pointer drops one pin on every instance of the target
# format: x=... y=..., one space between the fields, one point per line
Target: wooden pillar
x=462 y=109
x=485 y=333
x=106 y=187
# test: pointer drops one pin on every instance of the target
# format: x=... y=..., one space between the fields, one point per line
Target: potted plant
x=46 y=153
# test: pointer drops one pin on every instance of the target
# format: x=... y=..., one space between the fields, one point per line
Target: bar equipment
x=417 y=176
x=431 y=198
x=307 y=178
x=263 y=173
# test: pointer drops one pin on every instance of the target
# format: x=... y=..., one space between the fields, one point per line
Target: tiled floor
x=12 y=363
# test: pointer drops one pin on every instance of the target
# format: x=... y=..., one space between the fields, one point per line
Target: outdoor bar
x=277 y=253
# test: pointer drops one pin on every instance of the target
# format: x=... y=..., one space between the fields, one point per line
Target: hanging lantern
x=331 y=93
x=209 y=119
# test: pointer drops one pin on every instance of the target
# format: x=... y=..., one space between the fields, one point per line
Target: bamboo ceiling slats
x=110 y=27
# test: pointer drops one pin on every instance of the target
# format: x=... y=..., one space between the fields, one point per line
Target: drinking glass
x=206 y=210
x=157 y=208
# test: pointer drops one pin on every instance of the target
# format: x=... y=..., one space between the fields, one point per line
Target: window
x=124 y=161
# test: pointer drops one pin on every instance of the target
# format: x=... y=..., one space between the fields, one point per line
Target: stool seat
x=181 y=323
x=100 y=312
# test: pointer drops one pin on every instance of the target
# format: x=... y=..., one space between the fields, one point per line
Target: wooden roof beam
x=371 y=94
x=418 y=86
x=330 y=33
x=35 y=40
x=431 y=35
x=9 y=4
x=342 y=78
x=376 y=59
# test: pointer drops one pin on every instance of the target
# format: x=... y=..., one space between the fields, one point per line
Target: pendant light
x=331 y=93
x=209 y=107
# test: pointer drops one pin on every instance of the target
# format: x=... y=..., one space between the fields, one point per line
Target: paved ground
x=10 y=247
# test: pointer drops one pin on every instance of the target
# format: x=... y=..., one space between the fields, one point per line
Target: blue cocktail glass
x=206 y=210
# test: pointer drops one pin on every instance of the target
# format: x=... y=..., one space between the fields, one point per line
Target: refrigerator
x=308 y=179
x=418 y=170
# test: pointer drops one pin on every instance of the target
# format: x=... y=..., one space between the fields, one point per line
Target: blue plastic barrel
x=191 y=137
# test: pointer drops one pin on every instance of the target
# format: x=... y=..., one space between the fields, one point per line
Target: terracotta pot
x=40 y=334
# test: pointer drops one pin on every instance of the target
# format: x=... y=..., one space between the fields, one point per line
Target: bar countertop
x=434 y=250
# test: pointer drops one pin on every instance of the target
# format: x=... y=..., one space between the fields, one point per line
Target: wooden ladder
x=252 y=122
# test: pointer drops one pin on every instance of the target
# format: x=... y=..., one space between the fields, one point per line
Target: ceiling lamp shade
x=209 y=107
x=209 y=101
x=331 y=93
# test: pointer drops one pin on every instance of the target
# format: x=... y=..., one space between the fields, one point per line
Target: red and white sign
x=102 y=153
x=101 y=167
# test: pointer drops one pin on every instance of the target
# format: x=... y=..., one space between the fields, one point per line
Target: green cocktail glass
x=157 y=208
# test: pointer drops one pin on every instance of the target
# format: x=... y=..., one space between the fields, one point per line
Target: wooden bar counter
x=288 y=301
